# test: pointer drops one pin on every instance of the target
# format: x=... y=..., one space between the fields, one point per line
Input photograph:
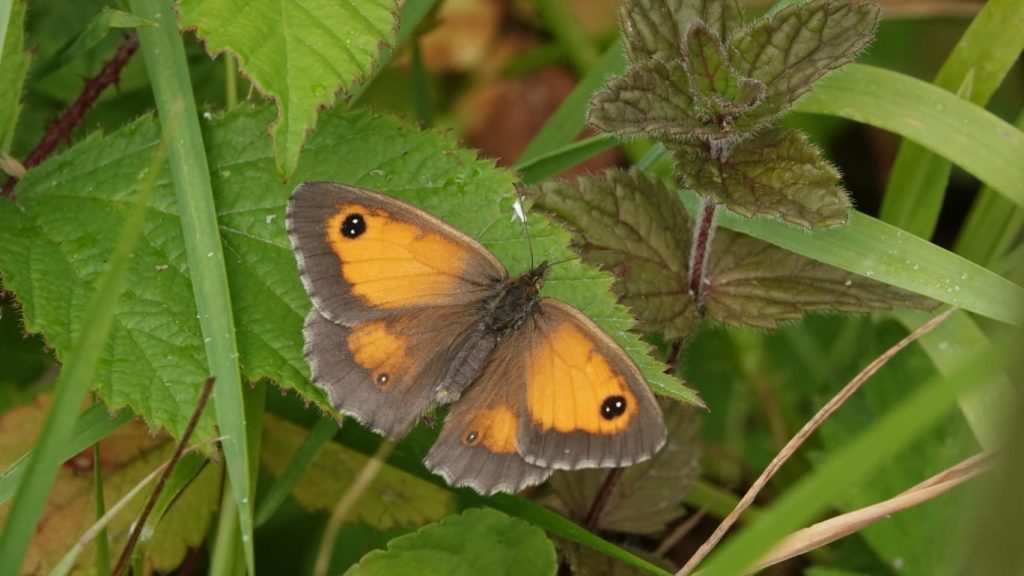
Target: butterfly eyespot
x=471 y=437
x=353 y=226
x=613 y=407
x=383 y=379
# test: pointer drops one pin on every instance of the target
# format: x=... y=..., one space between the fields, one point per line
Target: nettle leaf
x=722 y=93
x=14 y=62
x=633 y=227
x=777 y=172
x=753 y=283
x=299 y=52
x=656 y=28
x=55 y=240
x=584 y=561
x=394 y=498
x=652 y=98
x=478 y=541
x=801 y=43
x=636 y=228
x=648 y=497
x=127 y=456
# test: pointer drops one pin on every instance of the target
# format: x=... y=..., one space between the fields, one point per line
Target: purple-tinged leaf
x=799 y=45
x=633 y=227
x=778 y=173
x=721 y=93
x=656 y=28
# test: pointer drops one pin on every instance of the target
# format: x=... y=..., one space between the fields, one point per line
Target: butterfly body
x=410 y=313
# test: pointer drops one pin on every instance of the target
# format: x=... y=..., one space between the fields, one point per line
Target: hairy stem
x=702 y=234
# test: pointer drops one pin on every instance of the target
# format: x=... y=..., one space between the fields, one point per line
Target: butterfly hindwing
x=586 y=403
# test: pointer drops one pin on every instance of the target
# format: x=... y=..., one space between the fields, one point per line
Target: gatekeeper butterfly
x=409 y=313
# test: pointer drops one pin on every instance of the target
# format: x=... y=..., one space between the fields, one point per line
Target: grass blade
x=164 y=53
x=968 y=135
x=71 y=387
x=554 y=162
x=319 y=436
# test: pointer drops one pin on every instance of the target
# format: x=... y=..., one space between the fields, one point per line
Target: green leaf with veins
x=636 y=228
x=722 y=93
x=54 y=242
x=656 y=28
x=777 y=172
x=478 y=541
x=14 y=62
x=801 y=43
x=299 y=52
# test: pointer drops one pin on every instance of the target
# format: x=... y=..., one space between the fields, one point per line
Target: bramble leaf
x=633 y=227
x=801 y=43
x=656 y=28
x=777 y=172
x=394 y=498
x=299 y=52
x=478 y=541
x=54 y=242
x=648 y=496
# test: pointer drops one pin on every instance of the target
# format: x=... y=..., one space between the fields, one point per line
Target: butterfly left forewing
x=586 y=403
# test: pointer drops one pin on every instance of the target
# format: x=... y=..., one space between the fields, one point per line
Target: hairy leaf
x=394 y=498
x=299 y=52
x=722 y=93
x=14 y=62
x=801 y=43
x=778 y=173
x=633 y=227
x=54 y=241
x=753 y=283
x=127 y=456
x=636 y=228
x=647 y=497
x=478 y=541
x=652 y=98
x=656 y=28
x=585 y=561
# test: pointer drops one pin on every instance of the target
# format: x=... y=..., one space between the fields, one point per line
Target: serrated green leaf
x=754 y=283
x=656 y=28
x=648 y=496
x=778 y=173
x=722 y=93
x=299 y=52
x=395 y=497
x=14 y=60
x=478 y=541
x=53 y=241
x=631 y=226
x=801 y=43
x=652 y=98
x=96 y=30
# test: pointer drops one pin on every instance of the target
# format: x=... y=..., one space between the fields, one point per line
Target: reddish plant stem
x=601 y=499
x=60 y=130
x=699 y=253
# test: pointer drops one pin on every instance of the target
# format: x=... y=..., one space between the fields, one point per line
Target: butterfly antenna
x=556 y=263
x=520 y=214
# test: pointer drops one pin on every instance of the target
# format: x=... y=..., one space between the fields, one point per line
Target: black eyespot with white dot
x=353 y=226
x=382 y=379
x=471 y=438
x=613 y=407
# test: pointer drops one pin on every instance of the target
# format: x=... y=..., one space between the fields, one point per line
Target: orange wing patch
x=390 y=263
x=381 y=352
x=494 y=428
x=572 y=387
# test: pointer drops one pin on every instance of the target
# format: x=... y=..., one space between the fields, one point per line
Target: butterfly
x=410 y=314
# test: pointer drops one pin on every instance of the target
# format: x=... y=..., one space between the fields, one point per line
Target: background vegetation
x=142 y=252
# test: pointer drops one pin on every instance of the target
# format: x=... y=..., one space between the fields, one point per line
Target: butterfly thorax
x=514 y=301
